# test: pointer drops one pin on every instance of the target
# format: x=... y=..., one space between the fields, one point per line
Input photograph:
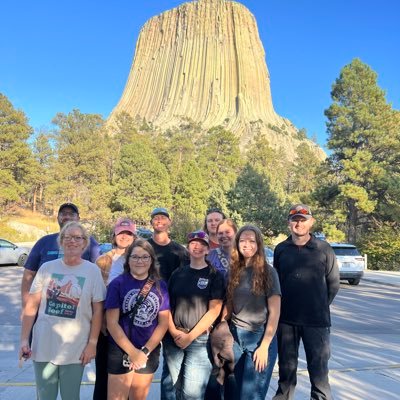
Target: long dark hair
x=262 y=279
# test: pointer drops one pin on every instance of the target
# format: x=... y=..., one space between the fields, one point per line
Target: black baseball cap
x=68 y=205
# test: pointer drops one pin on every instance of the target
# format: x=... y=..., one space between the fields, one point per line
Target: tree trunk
x=34 y=200
x=352 y=222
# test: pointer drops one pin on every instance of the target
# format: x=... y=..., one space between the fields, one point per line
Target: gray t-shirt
x=250 y=311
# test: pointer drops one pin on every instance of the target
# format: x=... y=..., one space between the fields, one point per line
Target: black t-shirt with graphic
x=190 y=290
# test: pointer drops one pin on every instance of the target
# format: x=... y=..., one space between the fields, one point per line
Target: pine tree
x=141 y=182
x=364 y=137
x=16 y=161
x=270 y=163
x=124 y=131
x=79 y=173
x=303 y=175
x=253 y=199
x=176 y=147
x=220 y=161
x=44 y=157
x=190 y=197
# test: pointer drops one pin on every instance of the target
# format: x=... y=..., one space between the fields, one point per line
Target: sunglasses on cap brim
x=197 y=235
x=301 y=211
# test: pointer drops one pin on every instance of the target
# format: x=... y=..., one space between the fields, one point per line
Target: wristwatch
x=145 y=350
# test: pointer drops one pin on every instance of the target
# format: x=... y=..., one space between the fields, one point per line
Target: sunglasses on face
x=302 y=211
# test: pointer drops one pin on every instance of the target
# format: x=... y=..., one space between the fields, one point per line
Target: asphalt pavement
x=390 y=278
x=358 y=370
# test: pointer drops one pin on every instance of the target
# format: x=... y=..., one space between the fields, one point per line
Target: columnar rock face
x=204 y=60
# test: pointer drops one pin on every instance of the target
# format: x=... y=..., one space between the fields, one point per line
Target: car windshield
x=6 y=244
x=144 y=233
x=346 y=251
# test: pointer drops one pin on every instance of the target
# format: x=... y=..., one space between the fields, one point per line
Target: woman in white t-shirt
x=67 y=295
x=112 y=262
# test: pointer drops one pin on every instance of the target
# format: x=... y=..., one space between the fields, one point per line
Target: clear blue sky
x=57 y=55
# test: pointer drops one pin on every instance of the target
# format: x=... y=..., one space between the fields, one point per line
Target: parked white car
x=11 y=253
x=350 y=262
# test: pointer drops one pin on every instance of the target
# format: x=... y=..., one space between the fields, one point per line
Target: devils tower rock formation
x=204 y=61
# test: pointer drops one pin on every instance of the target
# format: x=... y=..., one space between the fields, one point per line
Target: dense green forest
x=132 y=167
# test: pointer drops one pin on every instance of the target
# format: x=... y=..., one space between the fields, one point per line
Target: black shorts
x=115 y=358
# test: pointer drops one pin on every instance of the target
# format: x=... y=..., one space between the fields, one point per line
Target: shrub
x=382 y=245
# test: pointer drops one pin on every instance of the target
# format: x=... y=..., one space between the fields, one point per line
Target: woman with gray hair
x=67 y=293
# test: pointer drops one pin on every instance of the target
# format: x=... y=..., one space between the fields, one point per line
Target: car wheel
x=21 y=260
x=354 y=281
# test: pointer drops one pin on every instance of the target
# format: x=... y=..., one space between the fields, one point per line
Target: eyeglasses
x=69 y=238
x=302 y=211
x=67 y=214
x=136 y=258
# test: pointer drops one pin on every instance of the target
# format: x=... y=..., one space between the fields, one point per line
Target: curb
x=380 y=282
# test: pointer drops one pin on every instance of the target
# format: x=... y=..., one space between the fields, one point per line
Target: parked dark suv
x=351 y=263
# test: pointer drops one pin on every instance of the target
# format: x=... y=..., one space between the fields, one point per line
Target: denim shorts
x=115 y=361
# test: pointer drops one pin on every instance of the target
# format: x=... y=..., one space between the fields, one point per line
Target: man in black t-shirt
x=309 y=278
x=170 y=255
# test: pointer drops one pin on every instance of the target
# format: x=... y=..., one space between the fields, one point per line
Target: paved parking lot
x=365 y=363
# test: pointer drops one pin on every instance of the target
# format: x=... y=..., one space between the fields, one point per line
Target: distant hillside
x=25 y=226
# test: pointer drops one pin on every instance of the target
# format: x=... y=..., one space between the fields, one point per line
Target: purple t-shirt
x=122 y=293
x=219 y=259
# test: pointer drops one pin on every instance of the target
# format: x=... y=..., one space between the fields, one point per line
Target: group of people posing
x=218 y=312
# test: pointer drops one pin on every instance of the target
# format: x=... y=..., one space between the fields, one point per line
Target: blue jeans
x=189 y=369
x=250 y=383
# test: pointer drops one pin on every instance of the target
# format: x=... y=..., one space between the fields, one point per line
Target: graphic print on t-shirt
x=202 y=283
x=147 y=311
x=63 y=295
